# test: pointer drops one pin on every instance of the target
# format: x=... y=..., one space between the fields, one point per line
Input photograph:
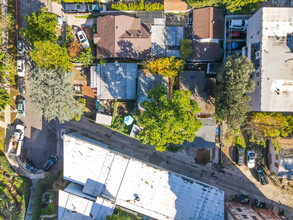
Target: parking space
x=235 y=34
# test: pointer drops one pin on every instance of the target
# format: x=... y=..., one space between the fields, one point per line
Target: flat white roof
x=162 y=194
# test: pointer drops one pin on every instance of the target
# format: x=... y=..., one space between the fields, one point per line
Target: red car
x=236 y=34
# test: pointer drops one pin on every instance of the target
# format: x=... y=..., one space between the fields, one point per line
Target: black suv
x=262 y=177
x=30 y=166
x=21 y=85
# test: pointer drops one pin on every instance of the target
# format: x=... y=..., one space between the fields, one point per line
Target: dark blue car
x=52 y=160
x=30 y=166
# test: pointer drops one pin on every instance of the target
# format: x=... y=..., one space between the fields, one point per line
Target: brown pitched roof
x=122 y=36
x=175 y=5
x=286 y=143
x=208 y=23
x=206 y=51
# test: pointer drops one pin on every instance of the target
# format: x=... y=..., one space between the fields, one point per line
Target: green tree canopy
x=168 y=121
x=86 y=58
x=185 y=48
x=41 y=26
x=262 y=126
x=53 y=95
x=233 y=84
x=4 y=99
x=50 y=55
x=168 y=66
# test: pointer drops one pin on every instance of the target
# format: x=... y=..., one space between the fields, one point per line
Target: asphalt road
x=231 y=182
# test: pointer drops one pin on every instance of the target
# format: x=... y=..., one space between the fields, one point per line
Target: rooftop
x=114 y=80
x=150 y=17
x=206 y=51
x=175 y=5
x=138 y=186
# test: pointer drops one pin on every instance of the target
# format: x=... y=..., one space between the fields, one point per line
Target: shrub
x=73 y=49
x=185 y=48
x=141 y=6
x=103 y=62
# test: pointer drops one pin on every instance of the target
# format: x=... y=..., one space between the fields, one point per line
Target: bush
x=186 y=48
x=73 y=49
x=141 y=6
x=119 y=124
x=103 y=62
x=86 y=58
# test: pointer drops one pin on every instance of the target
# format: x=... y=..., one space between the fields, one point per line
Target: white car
x=16 y=141
x=250 y=159
x=238 y=23
x=21 y=68
x=83 y=39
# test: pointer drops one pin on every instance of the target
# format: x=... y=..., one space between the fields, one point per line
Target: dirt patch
x=202 y=156
x=227 y=152
x=125 y=108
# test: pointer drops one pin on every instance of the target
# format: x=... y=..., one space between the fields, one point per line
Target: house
x=281 y=162
x=238 y=211
x=122 y=36
x=102 y=179
x=147 y=83
x=175 y=6
x=114 y=80
x=270 y=47
x=208 y=34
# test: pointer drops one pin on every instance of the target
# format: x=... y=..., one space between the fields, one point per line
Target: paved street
x=233 y=182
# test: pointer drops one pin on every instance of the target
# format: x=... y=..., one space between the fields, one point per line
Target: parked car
x=240 y=156
x=250 y=159
x=52 y=160
x=93 y=8
x=262 y=177
x=259 y=204
x=235 y=45
x=21 y=85
x=21 y=107
x=238 y=23
x=75 y=8
x=236 y=34
x=20 y=48
x=83 y=39
x=16 y=140
x=243 y=199
x=21 y=68
x=30 y=166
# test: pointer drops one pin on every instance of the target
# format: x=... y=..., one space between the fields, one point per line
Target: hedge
x=79 y=1
x=141 y=6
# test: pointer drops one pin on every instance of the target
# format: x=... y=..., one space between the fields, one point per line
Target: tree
x=86 y=58
x=168 y=121
x=53 y=95
x=4 y=99
x=73 y=49
x=262 y=126
x=186 y=48
x=50 y=55
x=233 y=85
x=122 y=216
x=169 y=67
x=41 y=26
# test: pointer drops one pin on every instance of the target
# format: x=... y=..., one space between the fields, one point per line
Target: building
x=208 y=34
x=122 y=36
x=114 y=80
x=281 y=162
x=238 y=211
x=176 y=6
x=102 y=179
x=270 y=47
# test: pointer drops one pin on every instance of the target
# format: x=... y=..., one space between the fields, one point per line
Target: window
x=277 y=165
x=257 y=74
x=277 y=157
x=258 y=32
x=239 y=209
x=251 y=36
x=257 y=83
x=251 y=76
x=245 y=216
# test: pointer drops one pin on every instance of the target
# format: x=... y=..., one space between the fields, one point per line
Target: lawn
x=15 y=191
x=2 y=139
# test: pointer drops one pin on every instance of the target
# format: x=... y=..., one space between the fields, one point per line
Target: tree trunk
x=171 y=83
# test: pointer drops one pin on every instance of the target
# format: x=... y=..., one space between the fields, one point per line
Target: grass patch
x=2 y=139
x=115 y=106
x=87 y=16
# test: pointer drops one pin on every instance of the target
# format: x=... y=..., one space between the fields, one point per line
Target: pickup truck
x=16 y=140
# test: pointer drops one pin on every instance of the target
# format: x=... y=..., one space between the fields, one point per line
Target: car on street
x=20 y=48
x=235 y=45
x=16 y=140
x=262 y=177
x=75 y=8
x=93 y=8
x=30 y=166
x=52 y=160
x=250 y=159
x=240 y=156
x=20 y=84
x=21 y=107
x=238 y=23
x=83 y=39
x=259 y=204
x=21 y=68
